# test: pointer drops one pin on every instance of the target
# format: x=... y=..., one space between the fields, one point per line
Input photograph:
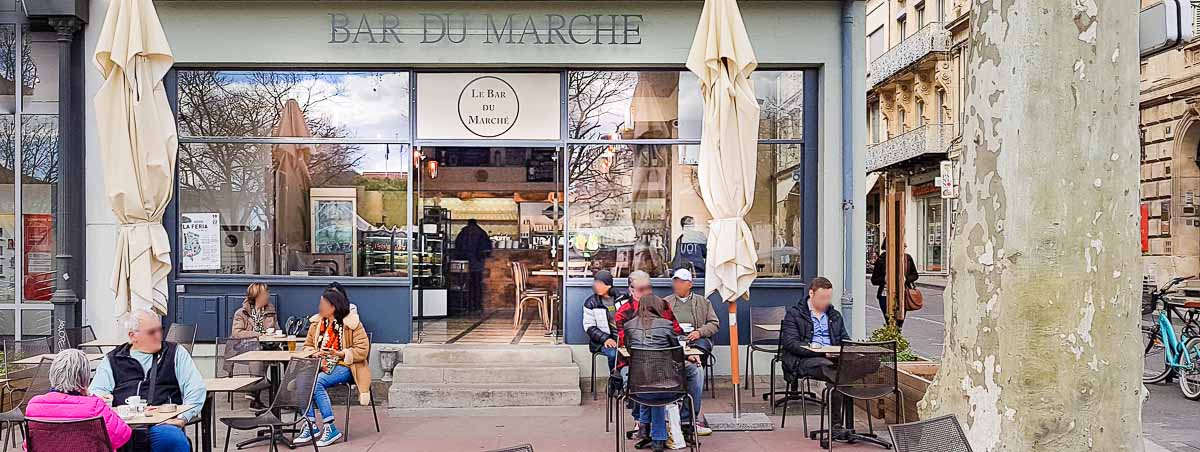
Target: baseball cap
x=683 y=274
x=604 y=276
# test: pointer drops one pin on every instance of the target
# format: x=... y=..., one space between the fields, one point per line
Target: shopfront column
x=65 y=298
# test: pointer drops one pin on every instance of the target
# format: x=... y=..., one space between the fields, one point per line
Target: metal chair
x=764 y=342
x=183 y=335
x=942 y=434
x=35 y=385
x=14 y=351
x=350 y=398
x=794 y=393
x=595 y=354
x=710 y=379
x=295 y=395
x=657 y=372
x=865 y=371
x=82 y=435
x=83 y=334
x=222 y=367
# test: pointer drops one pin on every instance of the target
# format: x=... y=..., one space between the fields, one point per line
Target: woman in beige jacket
x=257 y=315
x=337 y=335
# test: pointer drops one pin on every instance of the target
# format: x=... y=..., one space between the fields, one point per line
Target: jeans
x=611 y=354
x=656 y=416
x=695 y=383
x=168 y=438
x=339 y=375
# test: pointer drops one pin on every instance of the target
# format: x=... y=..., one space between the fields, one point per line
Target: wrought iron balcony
x=931 y=139
x=932 y=38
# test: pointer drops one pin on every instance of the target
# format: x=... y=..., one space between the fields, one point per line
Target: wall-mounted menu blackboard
x=540 y=166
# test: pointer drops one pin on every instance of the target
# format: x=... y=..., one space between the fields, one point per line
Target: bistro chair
x=37 y=384
x=710 y=380
x=794 y=393
x=182 y=334
x=526 y=294
x=865 y=371
x=595 y=355
x=763 y=341
x=223 y=367
x=657 y=372
x=351 y=398
x=82 y=435
x=294 y=395
x=941 y=434
x=14 y=351
x=81 y=335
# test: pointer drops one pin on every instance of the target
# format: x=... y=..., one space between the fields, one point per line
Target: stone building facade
x=1170 y=176
x=915 y=75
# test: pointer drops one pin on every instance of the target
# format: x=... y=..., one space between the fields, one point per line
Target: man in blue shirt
x=814 y=321
x=159 y=372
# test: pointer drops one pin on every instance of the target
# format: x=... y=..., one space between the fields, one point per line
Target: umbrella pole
x=737 y=421
x=733 y=353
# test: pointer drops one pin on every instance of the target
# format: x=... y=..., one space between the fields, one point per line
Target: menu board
x=540 y=166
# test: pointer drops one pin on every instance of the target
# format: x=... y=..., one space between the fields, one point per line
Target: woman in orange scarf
x=340 y=341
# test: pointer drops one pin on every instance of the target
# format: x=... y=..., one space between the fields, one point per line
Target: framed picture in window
x=334 y=232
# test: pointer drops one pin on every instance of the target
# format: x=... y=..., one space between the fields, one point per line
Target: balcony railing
x=933 y=37
x=931 y=139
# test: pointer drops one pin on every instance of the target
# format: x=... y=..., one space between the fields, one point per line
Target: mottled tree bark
x=1042 y=340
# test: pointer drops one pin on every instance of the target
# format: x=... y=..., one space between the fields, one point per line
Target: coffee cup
x=270 y=330
x=686 y=327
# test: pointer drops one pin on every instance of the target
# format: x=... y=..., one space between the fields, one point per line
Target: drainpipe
x=853 y=229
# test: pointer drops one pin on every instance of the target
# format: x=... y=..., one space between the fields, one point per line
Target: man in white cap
x=699 y=322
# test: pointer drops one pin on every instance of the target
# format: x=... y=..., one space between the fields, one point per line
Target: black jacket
x=879 y=273
x=598 y=331
x=472 y=245
x=797 y=332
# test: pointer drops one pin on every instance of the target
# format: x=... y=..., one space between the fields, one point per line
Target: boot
x=659 y=446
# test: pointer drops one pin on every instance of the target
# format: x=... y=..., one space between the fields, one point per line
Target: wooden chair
x=524 y=294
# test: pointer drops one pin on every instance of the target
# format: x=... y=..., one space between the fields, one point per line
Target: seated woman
x=651 y=329
x=69 y=399
x=342 y=344
x=257 y=314
x=256 y=317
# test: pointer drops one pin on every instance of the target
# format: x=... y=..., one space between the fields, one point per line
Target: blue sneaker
x=329 y=435
x=307 y=432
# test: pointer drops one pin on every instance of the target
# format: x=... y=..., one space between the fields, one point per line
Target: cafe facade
x=355 y=141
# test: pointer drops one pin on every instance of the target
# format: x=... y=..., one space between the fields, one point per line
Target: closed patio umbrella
x=292 y=182
x=138 y=143
x=722 y=58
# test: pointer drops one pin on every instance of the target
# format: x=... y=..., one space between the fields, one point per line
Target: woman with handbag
x=912 y=299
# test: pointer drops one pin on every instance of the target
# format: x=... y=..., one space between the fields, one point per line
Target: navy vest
x=128 y=374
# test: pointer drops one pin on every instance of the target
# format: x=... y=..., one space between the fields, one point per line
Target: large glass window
x=294 y=173
x=634 y=196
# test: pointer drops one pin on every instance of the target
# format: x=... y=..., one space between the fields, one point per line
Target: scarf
x=330 y=339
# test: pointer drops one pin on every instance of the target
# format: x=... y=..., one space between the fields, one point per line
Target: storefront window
x=323 y=205
x=628 y=105
x=934 y=218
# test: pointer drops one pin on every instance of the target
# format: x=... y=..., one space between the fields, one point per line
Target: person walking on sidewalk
x=879 y=279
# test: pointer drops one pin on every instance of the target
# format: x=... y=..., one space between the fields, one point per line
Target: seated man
x=160 y=372
x=810 y=321
x=599 y=314
x=693 y=309
x=639 y=285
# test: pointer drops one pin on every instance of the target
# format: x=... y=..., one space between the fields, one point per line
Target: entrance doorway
x=487 y=245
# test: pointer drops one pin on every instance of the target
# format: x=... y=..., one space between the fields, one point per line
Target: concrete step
x=485 y=374
x=410 y=396
x=488 y=354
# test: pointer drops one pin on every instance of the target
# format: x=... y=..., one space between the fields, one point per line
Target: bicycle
x=1167 y=352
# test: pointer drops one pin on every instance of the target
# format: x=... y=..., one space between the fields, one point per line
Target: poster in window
x=201 y=241
x=334 y=232
x=39 y=257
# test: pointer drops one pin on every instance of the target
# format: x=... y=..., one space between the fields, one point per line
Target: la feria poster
x=201 y=248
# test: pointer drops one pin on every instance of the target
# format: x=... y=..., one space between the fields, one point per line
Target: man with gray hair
x=158 y=371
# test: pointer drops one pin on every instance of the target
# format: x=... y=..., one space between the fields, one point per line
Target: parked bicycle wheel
x=1189 y=377
x=1154 y=357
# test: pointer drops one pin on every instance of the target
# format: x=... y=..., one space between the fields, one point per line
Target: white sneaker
x=307 y=432
x=703 y=431
x=329 y=435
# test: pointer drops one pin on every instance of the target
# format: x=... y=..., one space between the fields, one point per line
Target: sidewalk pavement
x=547 y=429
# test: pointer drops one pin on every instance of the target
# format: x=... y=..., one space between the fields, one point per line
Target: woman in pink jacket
x=68 y=399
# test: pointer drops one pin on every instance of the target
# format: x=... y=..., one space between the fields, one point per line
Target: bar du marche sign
x=488 y=106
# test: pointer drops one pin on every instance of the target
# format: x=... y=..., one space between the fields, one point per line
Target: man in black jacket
x=814 y=321
x=599 y=314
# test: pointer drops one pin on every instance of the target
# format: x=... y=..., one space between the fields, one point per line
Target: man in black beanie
x=599 y=312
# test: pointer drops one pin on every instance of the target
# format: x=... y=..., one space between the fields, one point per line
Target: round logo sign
x=488 y=107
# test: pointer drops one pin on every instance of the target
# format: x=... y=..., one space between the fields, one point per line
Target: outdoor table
x=837 y=349
x=769 y=327
x=275 y=359
x=830 y=351
x=37 y=359
x=156 y=417
x=100 y=343
x=208 y=413
x=289 y=340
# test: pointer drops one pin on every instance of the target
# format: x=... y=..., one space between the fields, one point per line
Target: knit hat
x=604 y=276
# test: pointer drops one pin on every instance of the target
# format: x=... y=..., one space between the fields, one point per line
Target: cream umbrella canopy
x=722 y=58
x=138 y=143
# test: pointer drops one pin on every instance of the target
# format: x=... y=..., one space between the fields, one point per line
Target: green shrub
x=891 y=333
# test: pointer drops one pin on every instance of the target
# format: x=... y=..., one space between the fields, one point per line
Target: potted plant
x=914 y=375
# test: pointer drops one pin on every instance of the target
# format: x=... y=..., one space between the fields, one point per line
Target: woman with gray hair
x=69 y=399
